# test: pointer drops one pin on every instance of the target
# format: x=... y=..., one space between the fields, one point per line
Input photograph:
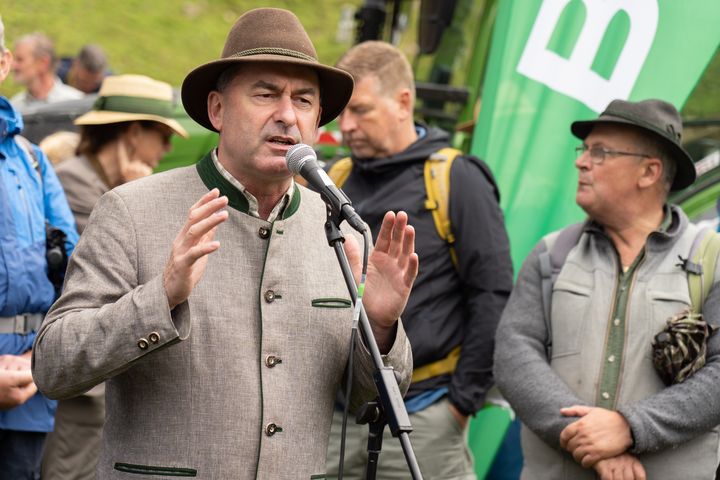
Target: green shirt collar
x=214 y=179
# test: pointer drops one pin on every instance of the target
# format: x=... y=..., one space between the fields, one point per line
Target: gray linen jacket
x=239 y=381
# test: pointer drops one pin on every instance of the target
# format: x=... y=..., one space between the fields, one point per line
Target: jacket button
x=142 y=344
x=272 y=360
x=271 y=429
x=154 y=337
x=264 y=232
x=269 y=296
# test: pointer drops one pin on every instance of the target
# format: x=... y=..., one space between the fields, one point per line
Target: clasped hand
x=599 y=439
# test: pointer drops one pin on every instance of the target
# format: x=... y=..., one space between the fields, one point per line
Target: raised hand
x=598 y=434
x=191 y=246
x=392 y=268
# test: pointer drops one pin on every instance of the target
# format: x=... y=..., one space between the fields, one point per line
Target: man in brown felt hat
x=207 y=297
x=576 y=362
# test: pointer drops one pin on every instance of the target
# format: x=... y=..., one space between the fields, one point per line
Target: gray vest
x=582 y=303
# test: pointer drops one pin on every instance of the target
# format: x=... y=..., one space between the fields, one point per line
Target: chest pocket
x=570 y=312
x=667 y=295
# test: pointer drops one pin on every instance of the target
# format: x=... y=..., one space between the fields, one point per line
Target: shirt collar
x=214 y=175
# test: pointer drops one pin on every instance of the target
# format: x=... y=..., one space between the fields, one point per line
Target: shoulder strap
x=27 y=147
x=437 y=187
x=700 y=267
x=557 y=246
x=340 y=171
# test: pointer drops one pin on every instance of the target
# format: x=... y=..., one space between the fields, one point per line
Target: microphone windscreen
x=298 y=155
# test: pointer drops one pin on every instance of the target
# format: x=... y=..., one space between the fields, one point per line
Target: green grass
x=163 y=39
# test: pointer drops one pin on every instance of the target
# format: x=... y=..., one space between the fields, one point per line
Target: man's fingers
x=576 y=411
x=567 y=433
x=639 y=471
x=412 y=270
x=20 y=378
x=397 y=234
x=197 y=212
x=199 y=251
x=196 y=232
x=212 y=194
x=383 y=240
x=588 y=460
x=572 y=443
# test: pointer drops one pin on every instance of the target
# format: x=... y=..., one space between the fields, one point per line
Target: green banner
x=555 y=61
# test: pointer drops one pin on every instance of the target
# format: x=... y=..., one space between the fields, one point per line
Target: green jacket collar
x=213 y=179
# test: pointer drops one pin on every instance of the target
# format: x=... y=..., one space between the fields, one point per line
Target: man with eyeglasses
x=583 y=380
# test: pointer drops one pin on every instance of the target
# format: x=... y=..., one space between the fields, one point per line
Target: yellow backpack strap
x=340 y=171
x=701 y=267
x=439 y=367
x=437 y=186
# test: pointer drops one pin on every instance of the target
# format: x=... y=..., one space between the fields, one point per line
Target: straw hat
x=127 y=98
x=656 y=118
x=266 y=35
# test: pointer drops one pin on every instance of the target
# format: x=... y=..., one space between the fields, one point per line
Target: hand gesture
x=190 y=248
x=130 y=168
x=598 y=434
x=622 y=467
x=392 y=268
x=16 y=383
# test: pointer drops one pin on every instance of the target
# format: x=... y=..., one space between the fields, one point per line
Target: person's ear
x=5 y=64
x=405 y=102
x=215 y=109
x=652 y=172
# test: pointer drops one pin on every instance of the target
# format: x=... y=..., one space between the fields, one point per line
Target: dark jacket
x=448 y=306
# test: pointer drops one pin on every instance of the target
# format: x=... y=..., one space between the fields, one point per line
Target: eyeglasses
x=598 y=153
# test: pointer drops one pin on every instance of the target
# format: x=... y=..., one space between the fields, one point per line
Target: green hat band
x=121 y=103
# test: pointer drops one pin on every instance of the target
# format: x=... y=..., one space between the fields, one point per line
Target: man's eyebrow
x=266 y=85
x=276 y=88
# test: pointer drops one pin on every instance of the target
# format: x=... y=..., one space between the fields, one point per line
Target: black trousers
x=21 y=454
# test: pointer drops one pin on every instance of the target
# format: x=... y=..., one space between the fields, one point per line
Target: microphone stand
x=389 y=407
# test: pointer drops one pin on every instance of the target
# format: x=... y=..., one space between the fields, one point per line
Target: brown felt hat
x=266 y=35
x=659 y=119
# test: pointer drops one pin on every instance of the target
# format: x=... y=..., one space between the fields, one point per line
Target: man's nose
x=285 y=112
x=346 y=122
x=583 y=162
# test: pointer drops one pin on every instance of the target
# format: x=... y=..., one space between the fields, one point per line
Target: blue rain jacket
x=26 y=201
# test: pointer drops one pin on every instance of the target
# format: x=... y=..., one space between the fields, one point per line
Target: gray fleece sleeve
x=521 y=368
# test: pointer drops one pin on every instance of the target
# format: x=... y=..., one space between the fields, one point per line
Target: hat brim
x=336 y=85
x=104 y=117
x=685 y=174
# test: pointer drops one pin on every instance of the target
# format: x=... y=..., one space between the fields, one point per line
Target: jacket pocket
x=570 y=304
x=155 y=470
x=331 y=303
x=665 y=304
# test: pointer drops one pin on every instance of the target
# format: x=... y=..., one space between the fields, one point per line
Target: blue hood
x=10 y=120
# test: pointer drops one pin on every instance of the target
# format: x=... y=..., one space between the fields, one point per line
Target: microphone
x=302 y=160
